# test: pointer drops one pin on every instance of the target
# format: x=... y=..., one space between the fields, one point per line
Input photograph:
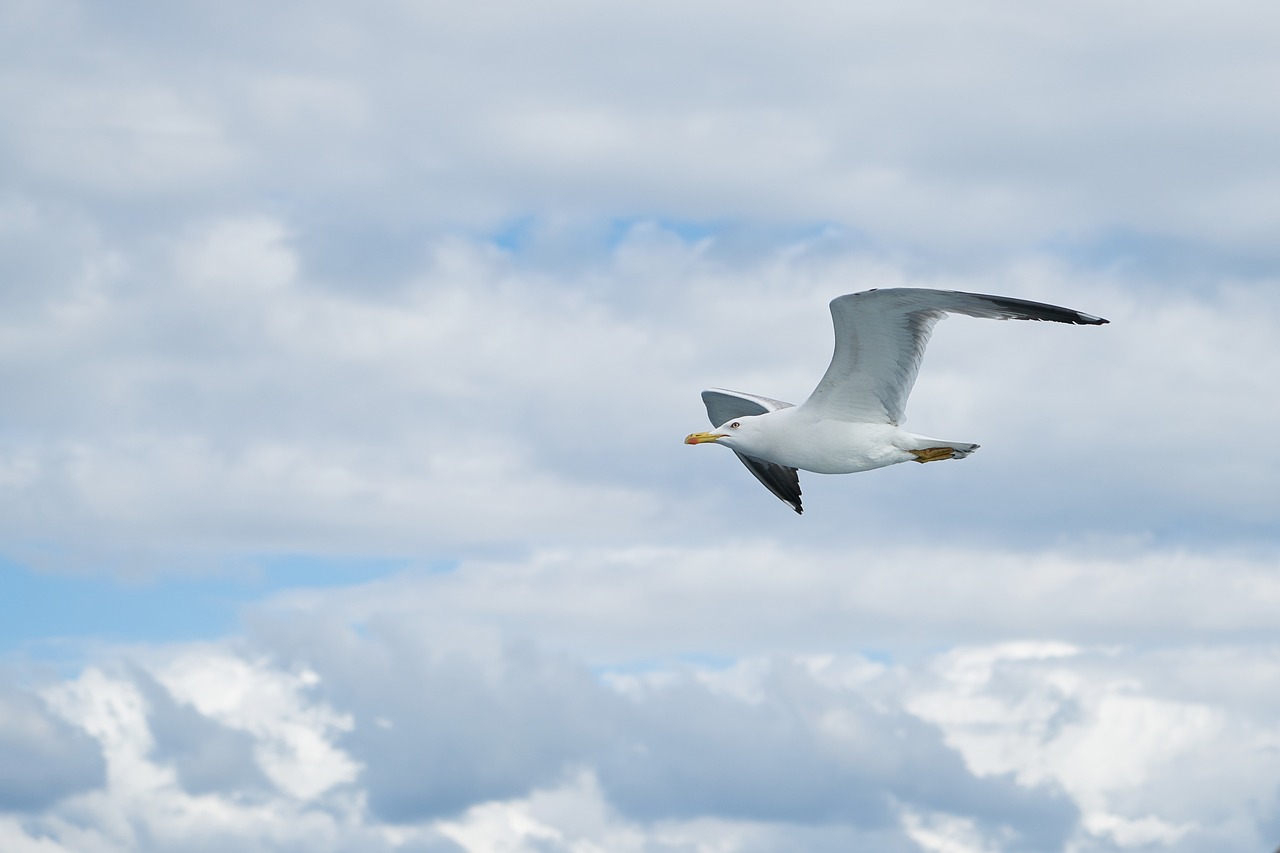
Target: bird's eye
x=734 y=425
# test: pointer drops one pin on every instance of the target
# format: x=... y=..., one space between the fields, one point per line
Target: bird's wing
x=724 y=406
x=880 y=340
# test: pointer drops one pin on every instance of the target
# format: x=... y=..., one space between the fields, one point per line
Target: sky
x=346 y=354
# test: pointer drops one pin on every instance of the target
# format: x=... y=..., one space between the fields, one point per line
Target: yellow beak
x=703 y=437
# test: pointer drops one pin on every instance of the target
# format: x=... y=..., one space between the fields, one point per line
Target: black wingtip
x=1026 y=310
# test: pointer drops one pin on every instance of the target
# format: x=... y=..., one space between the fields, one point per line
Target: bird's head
x=741 y=434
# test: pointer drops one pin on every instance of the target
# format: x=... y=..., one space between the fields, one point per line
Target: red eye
x=734 y=425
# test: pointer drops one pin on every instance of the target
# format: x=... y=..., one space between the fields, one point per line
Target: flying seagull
x=851 y=420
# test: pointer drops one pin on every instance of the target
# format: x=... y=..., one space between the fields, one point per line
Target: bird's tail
x=934 y=449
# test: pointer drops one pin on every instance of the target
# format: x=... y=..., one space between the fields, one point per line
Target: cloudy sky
x=346 y=351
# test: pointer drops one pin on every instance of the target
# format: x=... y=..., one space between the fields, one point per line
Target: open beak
x=704 y=437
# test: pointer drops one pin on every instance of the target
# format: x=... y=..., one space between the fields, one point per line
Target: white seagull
x=851 y=420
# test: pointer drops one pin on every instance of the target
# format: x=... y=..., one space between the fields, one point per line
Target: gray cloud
x=42 y=758
x=208 y=756
x=926 y=127
x=803 y=754
x=439 y=730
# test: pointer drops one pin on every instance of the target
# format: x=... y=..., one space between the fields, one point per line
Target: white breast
x=830 y=446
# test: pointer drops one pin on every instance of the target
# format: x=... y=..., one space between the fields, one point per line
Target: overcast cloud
x=376 y=330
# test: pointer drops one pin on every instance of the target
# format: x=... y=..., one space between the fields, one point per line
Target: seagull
x=851 y=421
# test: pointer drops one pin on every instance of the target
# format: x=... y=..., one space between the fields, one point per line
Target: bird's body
x=851 y=421
x=799 y=438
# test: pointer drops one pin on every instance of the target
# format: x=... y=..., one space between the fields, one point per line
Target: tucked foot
x=934 y=454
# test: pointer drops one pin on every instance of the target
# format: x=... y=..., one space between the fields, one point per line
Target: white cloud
x=946 y=834
x=1101 y=725
x=991 y=126
x=763 y=597
x=250 y=253
x=118 y=138
x=527 y=751
x=294 y=737
x=214 y=396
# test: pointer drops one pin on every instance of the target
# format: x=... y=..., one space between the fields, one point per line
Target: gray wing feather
x=881 y=336
x=722 y=406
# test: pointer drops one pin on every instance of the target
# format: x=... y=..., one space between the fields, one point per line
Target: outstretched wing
x=880 y=340
x=724 y=406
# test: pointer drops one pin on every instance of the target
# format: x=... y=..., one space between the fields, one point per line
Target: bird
x=852 y=420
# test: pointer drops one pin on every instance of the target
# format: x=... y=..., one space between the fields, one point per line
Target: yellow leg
x=933 y=454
